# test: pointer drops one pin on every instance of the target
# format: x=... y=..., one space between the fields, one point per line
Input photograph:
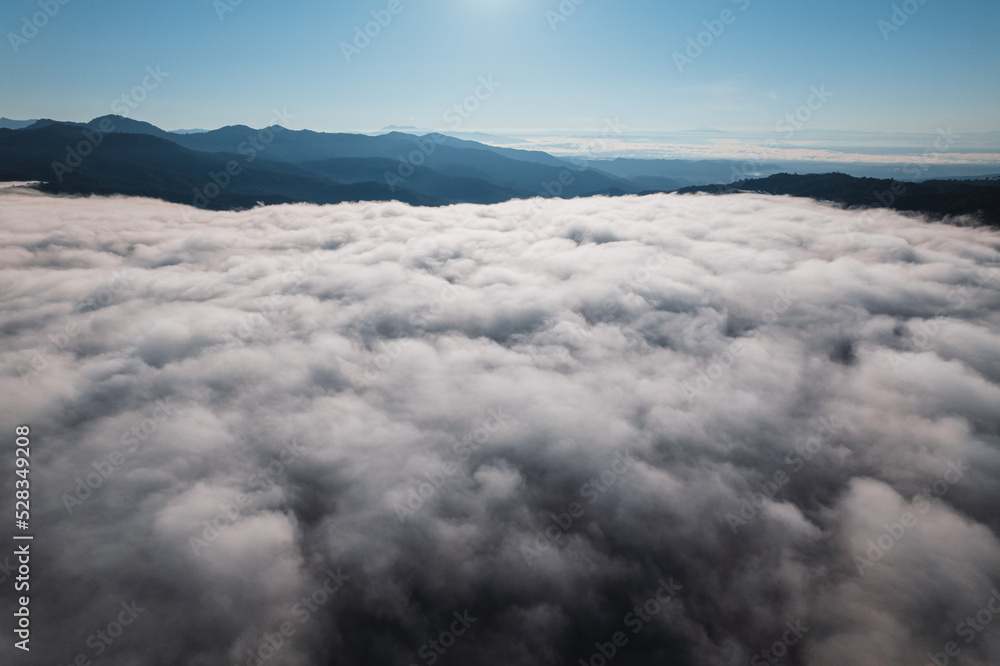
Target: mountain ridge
x=941 y=199
x=235 y=166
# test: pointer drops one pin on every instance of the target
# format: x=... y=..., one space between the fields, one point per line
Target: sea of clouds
x=642 y=430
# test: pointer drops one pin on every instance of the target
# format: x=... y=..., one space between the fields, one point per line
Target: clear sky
x=231 y=63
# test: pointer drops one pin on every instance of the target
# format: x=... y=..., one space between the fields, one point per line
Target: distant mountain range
x=481 y=137
x=942 y=199
x=7 y=123
x=674 y=174
x=237 y=167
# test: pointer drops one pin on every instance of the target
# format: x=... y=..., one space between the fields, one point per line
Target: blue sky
x=608 y=59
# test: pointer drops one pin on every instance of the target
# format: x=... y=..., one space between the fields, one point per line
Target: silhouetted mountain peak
x=113 y=117
x=403 y=136
x=124 y=125
x=10 y=123
x=240 y=128
x=47 y=122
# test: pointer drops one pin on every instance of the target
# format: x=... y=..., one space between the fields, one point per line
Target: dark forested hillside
x=941 y=198
x=145 y=165
x=237 y=166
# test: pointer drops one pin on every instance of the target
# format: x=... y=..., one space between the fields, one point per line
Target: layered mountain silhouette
x=7 y=123
x=944 y=199
x=237 y=167
x=672 y=174
x=144 y=165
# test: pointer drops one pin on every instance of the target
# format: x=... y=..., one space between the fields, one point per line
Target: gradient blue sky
x=611 y=58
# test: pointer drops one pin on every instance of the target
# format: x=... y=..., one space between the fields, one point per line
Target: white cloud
x=492 y=361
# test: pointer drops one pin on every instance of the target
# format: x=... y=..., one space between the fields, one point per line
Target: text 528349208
x=22 y=549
